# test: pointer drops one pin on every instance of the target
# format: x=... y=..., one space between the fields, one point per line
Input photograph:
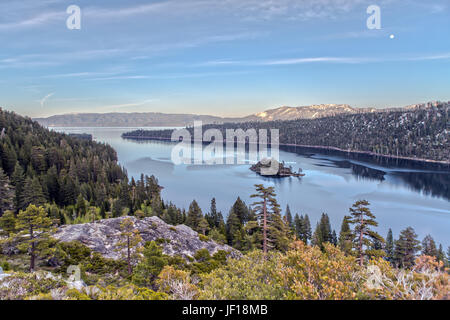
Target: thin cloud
x=309 y=60
x=37 y=20
x=170 y=76
x=128 y=105
x=44 y=100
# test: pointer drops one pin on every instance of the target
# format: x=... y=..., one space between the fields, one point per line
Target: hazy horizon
x=211 y=114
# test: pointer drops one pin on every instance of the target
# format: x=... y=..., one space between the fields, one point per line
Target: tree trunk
x=361 y=255
x=33 y=248
x=265 y=227
x=129 y=255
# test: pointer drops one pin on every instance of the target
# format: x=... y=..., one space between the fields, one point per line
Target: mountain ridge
x=159 y=119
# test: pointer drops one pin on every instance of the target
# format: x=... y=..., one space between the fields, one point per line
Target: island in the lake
x=282 y=172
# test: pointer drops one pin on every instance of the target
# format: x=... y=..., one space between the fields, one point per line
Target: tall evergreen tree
x=406 y=248
x=363 y=219
x=18 y=180
x=128 y=243
x=297 y=225
x=194 y=216
x=7 y=224
x=81 y=206
x=267 y=210
x=306 y=231
x=346 y=236
x=302 y=228
x=448 y=257
x=429 y=246
x=279 y=230
x=34 y=228
x=233 y=228
x=334 y=238
x=440 y=254
x=323 y=232
x=389 y=248
x=32 y=193
x=241 y=210
x=6 y=193
x=288 y=217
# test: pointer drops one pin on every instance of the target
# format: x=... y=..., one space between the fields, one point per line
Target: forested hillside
x=38 y=166
x=419 y=132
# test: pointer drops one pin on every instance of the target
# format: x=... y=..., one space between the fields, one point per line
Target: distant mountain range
x=156 y=119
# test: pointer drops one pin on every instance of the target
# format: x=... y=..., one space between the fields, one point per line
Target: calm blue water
x=399 y=196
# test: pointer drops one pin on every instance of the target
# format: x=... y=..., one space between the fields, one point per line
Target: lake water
x=401 y=194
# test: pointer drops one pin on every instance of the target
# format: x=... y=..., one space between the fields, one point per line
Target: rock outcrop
x=103 y=236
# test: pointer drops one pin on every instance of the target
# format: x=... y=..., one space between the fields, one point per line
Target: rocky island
x=264 y=168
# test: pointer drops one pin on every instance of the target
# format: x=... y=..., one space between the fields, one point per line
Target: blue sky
x=221 y=57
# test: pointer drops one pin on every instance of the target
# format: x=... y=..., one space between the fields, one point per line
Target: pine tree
x=429 y=246
x=317 y=239
x=212 y=215
x=194 y=216
x=322 y=233
x=7 y=224
x=32 y=194
x=146 y=272
x=346 y=236
x=81 y=206
x=129 y=239
x=267 y=210
x=279 y=230
x=302 y=228
x=364 y=237
x=288 y=217
x=440 y=254
x=448 y=257
x=325 y=226
x=306 y=229
x=18 y=180
x=203 y=226
x=334 y=240
x=6 y=193
x=297 y=225
x=241 y=210
x=34 y=228
x=8 y=157
x=389 y=248
x=233 y=227
x=406 y=248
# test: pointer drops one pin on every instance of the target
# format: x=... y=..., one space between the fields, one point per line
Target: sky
x=220 y=57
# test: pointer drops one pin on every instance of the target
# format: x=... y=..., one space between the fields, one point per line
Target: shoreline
x=368 y=153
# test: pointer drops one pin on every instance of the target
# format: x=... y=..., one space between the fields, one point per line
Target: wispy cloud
x=309 y=60
x=170 y=76
x=44 y=100
x=78 y=75
x=37 y=20
x=127 y=105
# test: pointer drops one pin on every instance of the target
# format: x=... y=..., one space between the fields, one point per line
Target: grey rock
x=102 y=236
